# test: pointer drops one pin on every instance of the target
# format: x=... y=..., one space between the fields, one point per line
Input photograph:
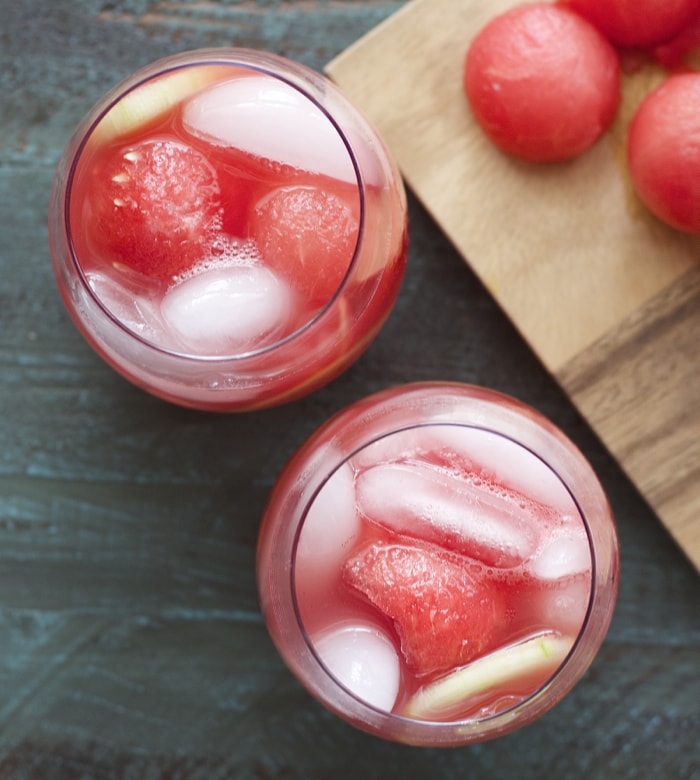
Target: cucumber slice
x=534 y=655
x=152 y=100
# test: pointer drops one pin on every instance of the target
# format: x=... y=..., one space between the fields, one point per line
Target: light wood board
x=606 y=295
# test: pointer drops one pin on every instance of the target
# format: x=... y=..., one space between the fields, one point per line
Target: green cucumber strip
x=154 y=99
x=533 y=655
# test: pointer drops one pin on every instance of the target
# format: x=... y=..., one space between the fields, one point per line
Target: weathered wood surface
x=131 y=643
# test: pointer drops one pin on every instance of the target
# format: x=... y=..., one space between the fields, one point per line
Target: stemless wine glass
x=227 y=230
x=438 y=564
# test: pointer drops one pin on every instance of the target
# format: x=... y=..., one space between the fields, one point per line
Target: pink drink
x=227 y=231
x=438 y=564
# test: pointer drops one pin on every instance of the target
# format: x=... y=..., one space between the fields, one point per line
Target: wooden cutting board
x=606 y=296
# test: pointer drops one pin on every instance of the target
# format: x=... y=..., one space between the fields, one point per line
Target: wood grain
x=567 y=250
x=640 y=386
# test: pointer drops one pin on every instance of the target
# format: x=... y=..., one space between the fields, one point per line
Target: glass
x=227 y=231
x=438 y=564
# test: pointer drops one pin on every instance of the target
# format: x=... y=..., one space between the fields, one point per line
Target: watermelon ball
x=542 y=82
x=664 y=152
x=154 y=208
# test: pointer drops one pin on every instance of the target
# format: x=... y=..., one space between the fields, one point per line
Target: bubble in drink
x=229 y=309
x=270 y=120
x=364 y=660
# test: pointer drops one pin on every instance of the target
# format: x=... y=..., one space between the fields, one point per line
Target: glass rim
x=496 y=720
x=196 y=58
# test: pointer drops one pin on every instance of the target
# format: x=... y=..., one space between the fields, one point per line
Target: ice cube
x=562 y=571
x=270 y=119
x=564 y=553
x=228 y=309
x=504 y=461
x=364 y=660
x=372 y=159
x=562 y=605
x=136 y=311
x=399 y=446
x=331 y=527
x=425 y=502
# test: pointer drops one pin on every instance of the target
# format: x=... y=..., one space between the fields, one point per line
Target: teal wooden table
x=131 y=641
